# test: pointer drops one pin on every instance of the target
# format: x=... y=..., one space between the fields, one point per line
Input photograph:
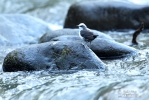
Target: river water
x=125 y=79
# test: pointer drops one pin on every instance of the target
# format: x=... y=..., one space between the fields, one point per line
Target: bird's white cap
x=82 y=25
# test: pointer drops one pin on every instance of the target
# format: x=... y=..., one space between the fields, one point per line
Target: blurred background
x=124 y=76
x=51 y=11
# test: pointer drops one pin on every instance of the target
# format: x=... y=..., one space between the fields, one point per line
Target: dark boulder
x=52 y=56
x=103 y=46
x=107 y=15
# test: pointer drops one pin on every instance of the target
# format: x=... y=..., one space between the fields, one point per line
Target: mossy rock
x=52 y=56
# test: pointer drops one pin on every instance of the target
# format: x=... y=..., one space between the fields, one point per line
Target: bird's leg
x=90 y=45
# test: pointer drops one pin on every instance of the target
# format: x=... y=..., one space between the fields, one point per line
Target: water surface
x=125 y=79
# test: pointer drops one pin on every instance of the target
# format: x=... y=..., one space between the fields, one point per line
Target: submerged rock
x=20 y=29
x=52 y=56
x=107 y=15
x=103 y=46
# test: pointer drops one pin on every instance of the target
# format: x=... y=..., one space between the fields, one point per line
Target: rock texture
x=107 y=15
x=52 y=56
x=103 y=46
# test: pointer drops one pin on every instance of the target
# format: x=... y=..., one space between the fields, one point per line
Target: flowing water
x=125 y=79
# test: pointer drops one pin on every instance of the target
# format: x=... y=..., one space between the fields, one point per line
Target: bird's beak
x=78 y=25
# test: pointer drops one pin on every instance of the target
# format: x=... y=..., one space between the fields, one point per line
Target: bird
x=85 y=33
x=137 y=32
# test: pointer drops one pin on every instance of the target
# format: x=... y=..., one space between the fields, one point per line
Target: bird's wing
x=86 y=33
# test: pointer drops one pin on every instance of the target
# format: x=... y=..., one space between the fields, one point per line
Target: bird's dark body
x=87 y=35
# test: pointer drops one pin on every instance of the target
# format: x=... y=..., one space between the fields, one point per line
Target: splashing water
x=125 y=79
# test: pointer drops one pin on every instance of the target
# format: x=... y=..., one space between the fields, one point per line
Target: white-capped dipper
x=85 y=33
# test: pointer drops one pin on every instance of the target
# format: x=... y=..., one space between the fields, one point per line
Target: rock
x=75 y=32
x=107 y=15
x=103 y=46
x=106 y=49
x=52 y=56
x=20 y=29
x=73 y=38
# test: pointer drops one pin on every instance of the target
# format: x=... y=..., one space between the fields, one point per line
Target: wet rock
x=106 y=49
x=75 y=32
x=52 y=56
x=20 y=29
x=103 y=46
x=107 y=15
